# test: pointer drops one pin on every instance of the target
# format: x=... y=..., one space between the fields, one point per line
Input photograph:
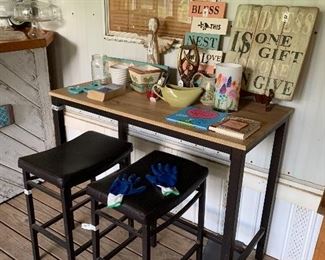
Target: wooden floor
x=15 y=242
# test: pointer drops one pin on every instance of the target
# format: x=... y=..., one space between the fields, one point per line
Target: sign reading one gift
x=271 y=43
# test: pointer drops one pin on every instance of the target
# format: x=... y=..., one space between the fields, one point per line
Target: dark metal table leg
x=270 y=193
x=233 y=201
x=59 y=126
x=123 y=129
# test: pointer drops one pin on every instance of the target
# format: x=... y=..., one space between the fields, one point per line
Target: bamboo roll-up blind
x=133 y=15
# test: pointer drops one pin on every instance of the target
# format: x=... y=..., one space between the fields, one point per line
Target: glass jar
x=97 y=69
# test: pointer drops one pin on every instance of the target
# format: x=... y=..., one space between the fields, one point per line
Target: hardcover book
x=106 y=92
x=236 y=127
x=197 y=117
x=6 y=115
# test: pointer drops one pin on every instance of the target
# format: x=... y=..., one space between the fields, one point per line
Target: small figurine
x=153 y=48
x=188 y=63
x=156 y=45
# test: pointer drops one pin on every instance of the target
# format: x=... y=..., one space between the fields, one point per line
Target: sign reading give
x=271 y=43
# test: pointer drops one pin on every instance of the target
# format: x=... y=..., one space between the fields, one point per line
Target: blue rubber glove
x=122 y=186
x=165 y=177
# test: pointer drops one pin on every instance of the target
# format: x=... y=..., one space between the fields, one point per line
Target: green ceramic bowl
x=177 y=96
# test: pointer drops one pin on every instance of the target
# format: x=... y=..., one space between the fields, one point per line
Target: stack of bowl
x=144 y=77
x=119 y=74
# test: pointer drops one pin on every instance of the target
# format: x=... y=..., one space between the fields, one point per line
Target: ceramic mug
x=227 y=87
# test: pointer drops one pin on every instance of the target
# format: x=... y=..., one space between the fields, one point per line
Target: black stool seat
x=78 y=160
x=151 y=204
x=65 y=166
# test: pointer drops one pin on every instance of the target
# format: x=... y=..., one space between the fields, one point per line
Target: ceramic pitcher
x=207 y=84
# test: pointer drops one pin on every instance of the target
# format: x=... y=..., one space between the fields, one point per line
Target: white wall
x=82 y=34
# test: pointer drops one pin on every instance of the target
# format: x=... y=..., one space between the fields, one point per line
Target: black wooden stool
x=65 y=166
x=147 y=207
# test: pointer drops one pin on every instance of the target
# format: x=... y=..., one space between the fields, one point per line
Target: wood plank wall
x=24 y=83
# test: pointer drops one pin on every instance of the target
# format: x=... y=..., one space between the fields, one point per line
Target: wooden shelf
x=27 y=44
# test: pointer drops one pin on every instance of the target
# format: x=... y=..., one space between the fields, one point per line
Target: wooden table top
x=133 y=105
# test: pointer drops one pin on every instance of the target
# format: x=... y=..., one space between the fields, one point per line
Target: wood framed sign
x=271 y=43
x=209 y=59
x=203 y=40
x=209 y=25
x=207 y=9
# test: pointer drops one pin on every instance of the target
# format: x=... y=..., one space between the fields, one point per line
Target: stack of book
x=236 y=127
x=106 y=92
x=218 y=122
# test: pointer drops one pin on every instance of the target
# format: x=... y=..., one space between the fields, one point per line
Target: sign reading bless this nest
x=271 y=43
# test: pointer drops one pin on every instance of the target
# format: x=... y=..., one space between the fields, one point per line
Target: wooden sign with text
x=209 y=59
x=209 y=25
x=203 y=40
x=271 y=43
x=207 y=9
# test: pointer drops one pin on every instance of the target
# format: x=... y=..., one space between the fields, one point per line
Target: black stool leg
x=126 y=162
x=68 y=219
x=153 y=240
x=201 y=221
x=131 y=224
x=146 y=242
x=31 y=216
x=95 y=234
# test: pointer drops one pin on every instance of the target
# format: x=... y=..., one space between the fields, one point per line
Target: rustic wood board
x=14 y=219
x=209 y=25
x=244 y=26
x=22 y=65
x=208 y=60
x=3 y=256
x=271 y=43
x=207 y=9
x=203 y=40
x=8 y=190
x=24 y=84
x=260 y=68
x=11 y=176
x=210 y=57
x=9 y=240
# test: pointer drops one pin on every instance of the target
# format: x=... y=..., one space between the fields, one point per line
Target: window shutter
x=133 y=16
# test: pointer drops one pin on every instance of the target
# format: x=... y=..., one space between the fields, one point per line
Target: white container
x=227 y=87
x=119 y=74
